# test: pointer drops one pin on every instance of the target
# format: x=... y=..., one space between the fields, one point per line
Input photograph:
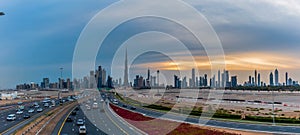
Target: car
x=31 y=111
x=46 y=105
x=132 y=108
x=101 y=100
x=124 y=105
x=80 y=122
x=37 y=106
x=19 y=112
x=26 y=116
x=69 y=119
x=39 y=110
x=21 y=107
x=95 y=105
x=11 y=117
x=88 y=107
x=74 y=113
x=115 y=102
x=88 y=101
x=82 y=130
x=20 y=103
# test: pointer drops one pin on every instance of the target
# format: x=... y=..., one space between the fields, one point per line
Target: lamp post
x=60 y=82
x=157 y=81
x=273 y=112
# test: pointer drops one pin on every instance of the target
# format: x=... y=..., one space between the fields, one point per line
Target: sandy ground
x=290 y=106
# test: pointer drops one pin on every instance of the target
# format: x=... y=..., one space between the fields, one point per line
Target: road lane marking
x=62 y=125
x=115 y=122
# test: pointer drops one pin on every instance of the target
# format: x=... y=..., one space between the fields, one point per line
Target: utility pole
x=60 y=82
x=157 y=81
x=273 y=112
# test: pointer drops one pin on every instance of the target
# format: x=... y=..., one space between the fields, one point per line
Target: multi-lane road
x=97 y=120
x=100 y=119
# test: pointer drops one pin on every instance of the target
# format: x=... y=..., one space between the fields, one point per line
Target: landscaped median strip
x=154 y=126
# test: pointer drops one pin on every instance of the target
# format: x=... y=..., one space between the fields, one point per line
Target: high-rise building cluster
x=145 y=83
x=45 y=84
x=96 y=79
x=204 y=81
x=274 y=80
x=225 y=81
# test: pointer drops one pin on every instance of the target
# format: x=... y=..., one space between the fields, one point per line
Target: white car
x=31 y=111
x=88 y=107
x=82 y=130
x=19 y=112
x=80 y=122
x=11 y=117
x=39 y=110
x=95 y=105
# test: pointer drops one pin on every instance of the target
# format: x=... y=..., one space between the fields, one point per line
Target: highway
x=100 y=120
x=10 y=127
x=220 y=124
x=19 y=118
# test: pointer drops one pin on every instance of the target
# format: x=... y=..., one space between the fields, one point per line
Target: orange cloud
x=237 y=61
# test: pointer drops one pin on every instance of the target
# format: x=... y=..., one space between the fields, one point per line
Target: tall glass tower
x=276 y=78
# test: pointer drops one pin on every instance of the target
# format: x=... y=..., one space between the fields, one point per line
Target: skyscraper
x=148 y=78
x=193 y=78
x=255 y=75
x=205 y=80
x=103 y=76
x=271 y=79
x=99 y=77
x=258 y=79
x=177 y=82
x=233 y=81
x=126 y=71
x=219 y=74
x=46 y=82
x=276 y=78
x=227 y=84
x=92 y=80
x=286 y=78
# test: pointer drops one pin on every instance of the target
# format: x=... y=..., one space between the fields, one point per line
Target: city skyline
x=251 y=39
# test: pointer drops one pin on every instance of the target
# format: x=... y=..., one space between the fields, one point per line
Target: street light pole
x=60 y=82
x=273 y=107
x=157 y=81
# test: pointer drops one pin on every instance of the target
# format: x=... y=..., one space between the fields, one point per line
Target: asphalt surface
x=71 y=128
x=9 y=127
x=19 y=118
x=98 y=120
x=221 y=124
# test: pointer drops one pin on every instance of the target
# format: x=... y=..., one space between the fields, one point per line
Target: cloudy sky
x=39 y=37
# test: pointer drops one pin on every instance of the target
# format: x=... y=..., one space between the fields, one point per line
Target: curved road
x=99 y=121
